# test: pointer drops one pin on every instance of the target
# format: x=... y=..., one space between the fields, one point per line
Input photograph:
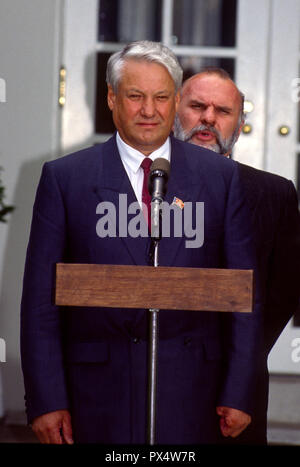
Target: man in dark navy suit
x=85 y=370
x=210 y=115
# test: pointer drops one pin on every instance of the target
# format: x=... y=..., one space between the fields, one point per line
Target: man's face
x=144 y=106
x=208 y=113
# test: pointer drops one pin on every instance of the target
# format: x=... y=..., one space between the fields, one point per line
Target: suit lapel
x=111 y=183
x=252 y=189
x=178 y=186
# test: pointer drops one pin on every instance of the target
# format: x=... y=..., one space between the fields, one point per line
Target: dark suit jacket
x=275 y=215
x=273 y=203
x=94 y=361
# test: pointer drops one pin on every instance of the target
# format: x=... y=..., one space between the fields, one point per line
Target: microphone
x=157 y=186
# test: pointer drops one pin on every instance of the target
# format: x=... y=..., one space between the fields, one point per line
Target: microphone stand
x=153 y=325
x=157 y=186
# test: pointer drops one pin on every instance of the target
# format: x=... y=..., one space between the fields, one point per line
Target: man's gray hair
x=149 y=51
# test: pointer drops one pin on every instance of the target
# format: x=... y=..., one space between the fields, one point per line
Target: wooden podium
x=169 y=288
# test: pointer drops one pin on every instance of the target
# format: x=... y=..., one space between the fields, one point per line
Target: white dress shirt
x=132 y=160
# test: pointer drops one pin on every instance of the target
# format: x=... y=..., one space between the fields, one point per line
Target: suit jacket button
x=136 y=340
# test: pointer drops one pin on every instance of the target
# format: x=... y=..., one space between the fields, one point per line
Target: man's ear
x=177 y=100
x=111 y=97
x=240 y=129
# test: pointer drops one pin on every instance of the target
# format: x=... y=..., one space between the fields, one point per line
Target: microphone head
x=160 y=164
x=158 y=177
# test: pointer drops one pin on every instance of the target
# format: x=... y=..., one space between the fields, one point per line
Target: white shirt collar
x=132 y=158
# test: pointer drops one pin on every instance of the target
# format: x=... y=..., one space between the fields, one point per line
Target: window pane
x=204 y=23
x=129 y=20
x=192 y=65
x=103 y=119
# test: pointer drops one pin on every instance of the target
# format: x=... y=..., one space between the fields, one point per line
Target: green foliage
x=4 y=209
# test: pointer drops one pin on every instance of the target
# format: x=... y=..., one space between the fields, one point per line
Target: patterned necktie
x=146 y=198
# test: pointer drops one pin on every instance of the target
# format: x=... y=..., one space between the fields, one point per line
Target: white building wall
x=29 y=51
